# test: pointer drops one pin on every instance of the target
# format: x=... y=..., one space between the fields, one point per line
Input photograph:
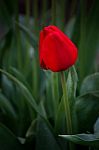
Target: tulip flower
x=57 y=52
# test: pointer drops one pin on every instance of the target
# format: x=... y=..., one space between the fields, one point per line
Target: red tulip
x=56 y=50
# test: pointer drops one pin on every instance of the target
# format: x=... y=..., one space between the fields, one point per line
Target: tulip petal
x=58 y=52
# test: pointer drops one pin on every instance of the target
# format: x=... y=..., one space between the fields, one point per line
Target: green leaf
x=31 y=130
x=72 y=80
x=20 y=77
x=70 y=26
x=60 y=123
x=45 y=139
x=32 y=39
x=42 y=109
x=24 y=91
x=88 y=102
x=86 y=35
x=83 y=139
x=96 y=128
x=90 y=85
x=8 y=140
x=6 y=47
x=51 y=85
x=6 y=105
x=87 y=110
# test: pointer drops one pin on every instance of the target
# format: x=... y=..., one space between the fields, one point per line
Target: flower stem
x=67 y=109
x=55 y=92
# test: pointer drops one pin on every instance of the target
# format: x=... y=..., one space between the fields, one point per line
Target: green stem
x=55 y=92
x=67 y=109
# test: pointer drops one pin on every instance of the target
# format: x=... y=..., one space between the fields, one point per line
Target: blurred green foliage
x=31 y=103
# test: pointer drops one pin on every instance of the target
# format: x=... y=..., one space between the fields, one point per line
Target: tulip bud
x=57 y=52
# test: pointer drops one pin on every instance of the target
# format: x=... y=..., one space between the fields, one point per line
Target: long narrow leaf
x=8 y=140
x=24 y=90
x=83 y=139
x=32 y=39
